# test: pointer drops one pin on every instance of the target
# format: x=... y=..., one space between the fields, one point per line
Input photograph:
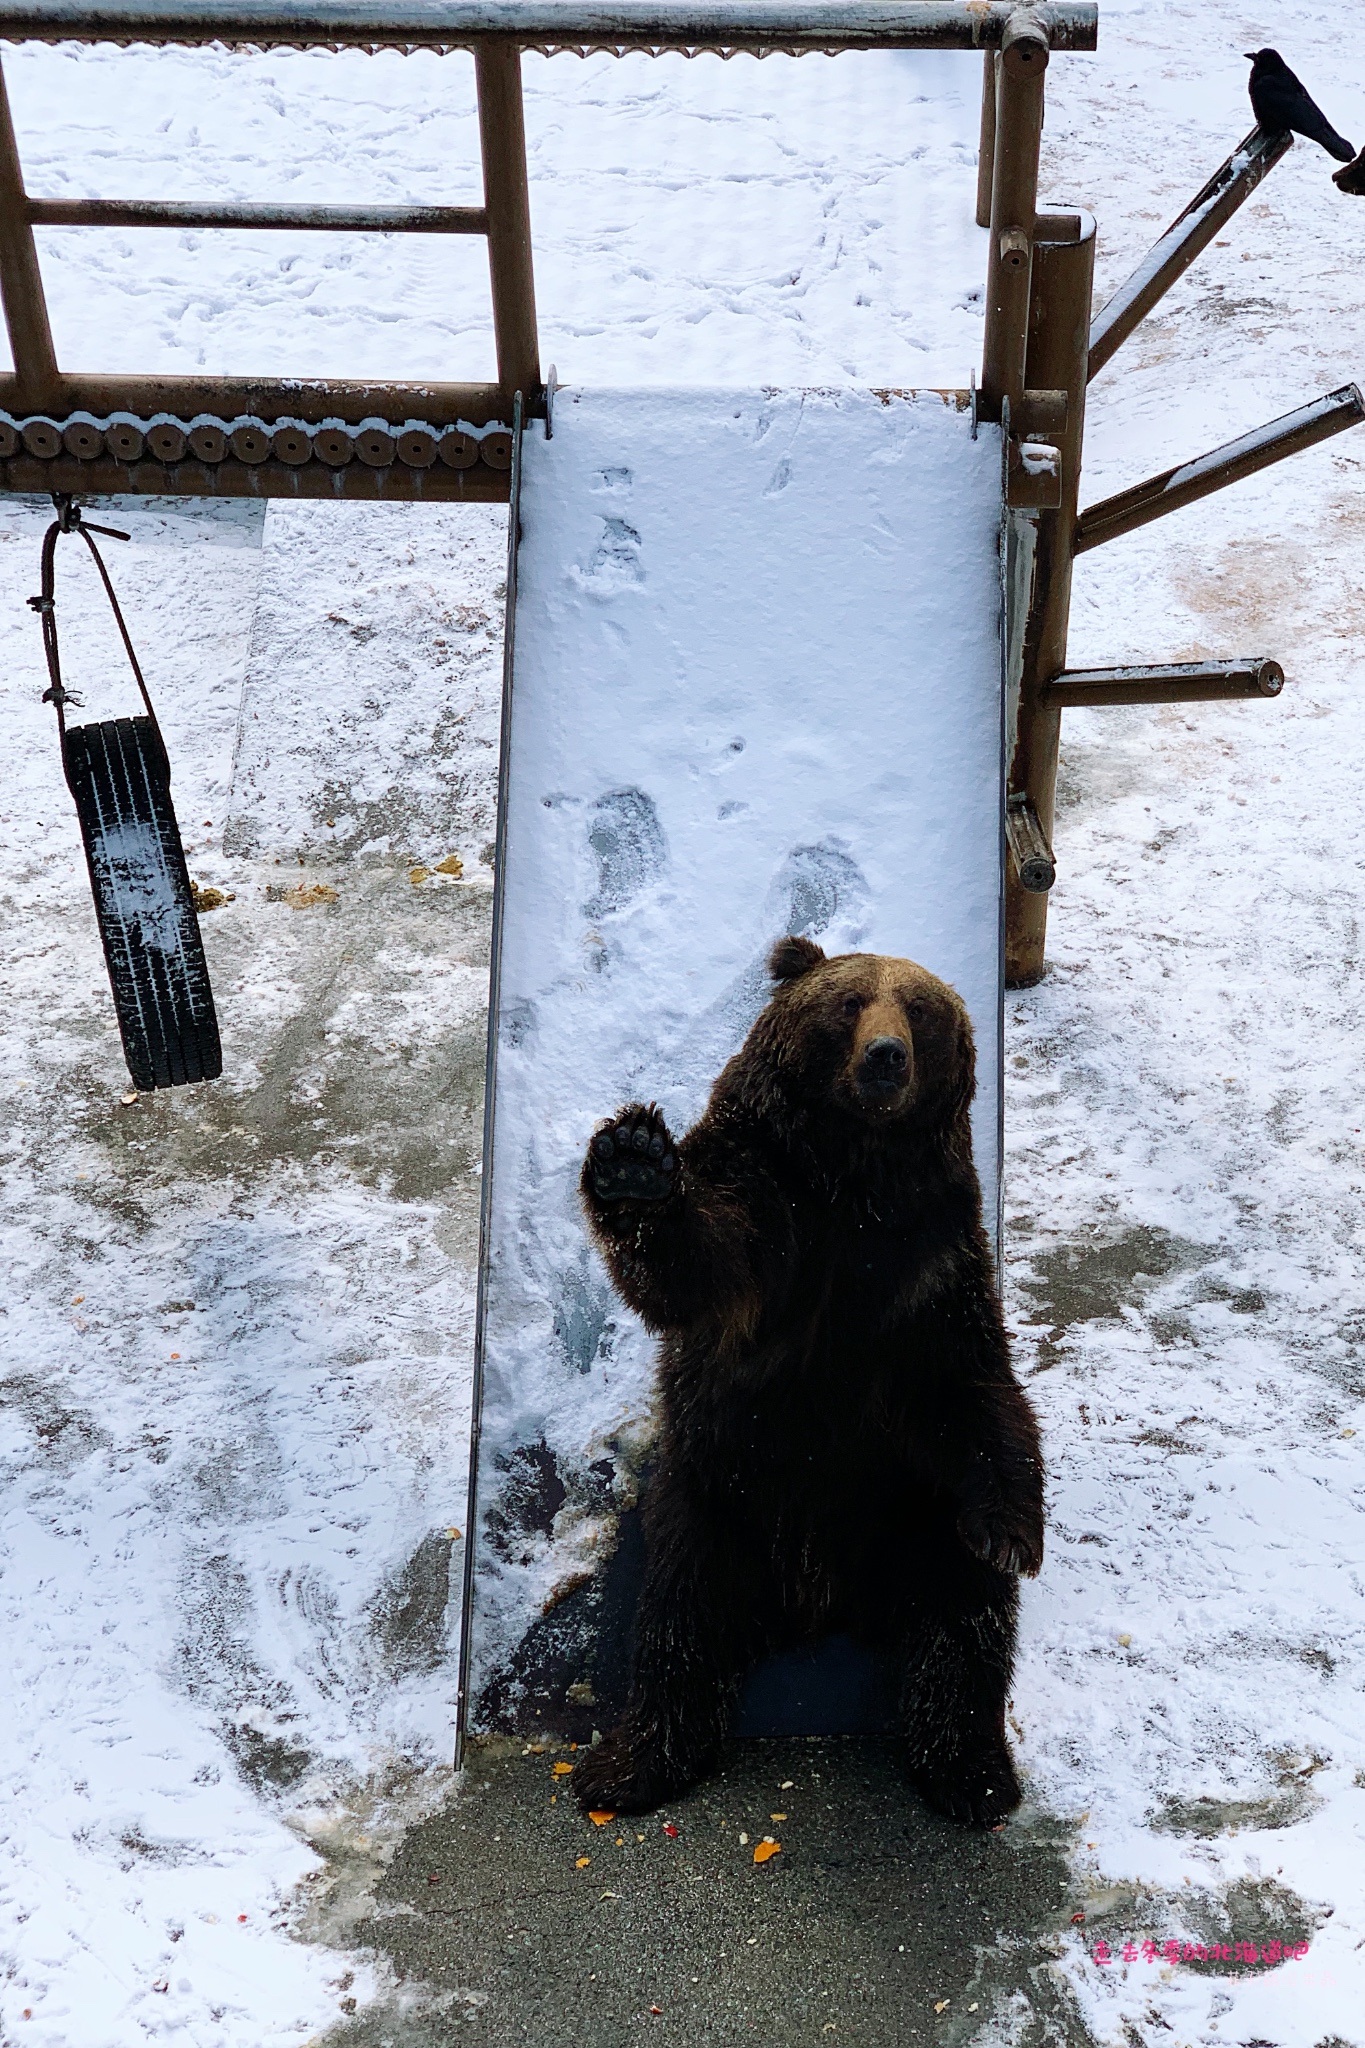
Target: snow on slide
x=756 y=691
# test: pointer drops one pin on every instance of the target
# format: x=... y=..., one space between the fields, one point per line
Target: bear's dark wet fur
x=843 y=1443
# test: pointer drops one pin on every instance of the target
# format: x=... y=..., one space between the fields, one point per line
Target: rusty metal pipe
x=1188 y=481
x=21 y=281
x=1168 y=682
x=542 y=24
x=985 y=159
x=1034 y=866
x=263 y=398
x=1014 y=203
x=175 y=213
x=1185 y=239
x=1058 y=342
x=502 y=136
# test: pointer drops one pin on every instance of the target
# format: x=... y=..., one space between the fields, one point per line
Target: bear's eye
x=851 y=1005
x=915 y=1012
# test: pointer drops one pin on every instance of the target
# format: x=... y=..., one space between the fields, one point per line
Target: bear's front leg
x=678 y=1225
x=1000 y=1517
x=983 y=1432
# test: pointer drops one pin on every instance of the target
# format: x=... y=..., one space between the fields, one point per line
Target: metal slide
x=755 y=689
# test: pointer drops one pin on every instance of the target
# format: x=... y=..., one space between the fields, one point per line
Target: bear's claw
x=1011 y=1540
x=632 y=1157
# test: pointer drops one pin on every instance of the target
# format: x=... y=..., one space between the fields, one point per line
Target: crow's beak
x=1250 y=55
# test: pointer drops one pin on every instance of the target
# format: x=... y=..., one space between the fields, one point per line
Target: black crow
x=1352 y=178
x=1279 y=101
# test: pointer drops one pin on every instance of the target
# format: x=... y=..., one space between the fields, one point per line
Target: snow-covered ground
x=235 y=1461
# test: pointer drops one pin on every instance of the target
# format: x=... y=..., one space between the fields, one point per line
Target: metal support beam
x=502 y=135
x=1167 y=682
x=271 y=399
x=1057 y=349
x=750 y=25
x=175 y=213
x=985 y=156
x=21 y=281
x=1211 y=209
x=1014 y=204
x=1289 y=435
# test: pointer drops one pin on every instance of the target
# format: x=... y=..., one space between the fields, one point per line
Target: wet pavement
x=509 y=1917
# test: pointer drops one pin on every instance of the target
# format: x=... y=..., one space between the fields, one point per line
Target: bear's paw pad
x=632 y=1158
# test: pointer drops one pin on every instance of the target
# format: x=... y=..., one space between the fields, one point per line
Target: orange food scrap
x=561 y=1770
x=777 y=1816
x=657 y=2009
x=767 y=1848
x=600 y=1819
x=583 y=1863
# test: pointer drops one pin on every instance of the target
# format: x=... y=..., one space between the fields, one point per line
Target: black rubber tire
x=119 y=776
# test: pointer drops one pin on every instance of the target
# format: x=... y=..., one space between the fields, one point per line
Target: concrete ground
x=510 y=1917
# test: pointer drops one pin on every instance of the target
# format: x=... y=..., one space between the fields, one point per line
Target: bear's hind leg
x=686 y=1675
x=957 y=1662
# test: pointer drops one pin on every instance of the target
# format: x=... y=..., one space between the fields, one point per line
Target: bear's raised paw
x=632 y=1157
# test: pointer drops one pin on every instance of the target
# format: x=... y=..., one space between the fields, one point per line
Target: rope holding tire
x=119 y=775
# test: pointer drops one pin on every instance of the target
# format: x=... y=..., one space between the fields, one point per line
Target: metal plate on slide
x=756 y=689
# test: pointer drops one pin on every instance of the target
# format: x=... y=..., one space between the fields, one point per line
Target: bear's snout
x=884 y=1067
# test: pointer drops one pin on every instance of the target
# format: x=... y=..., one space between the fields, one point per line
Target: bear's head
x=878 y=1039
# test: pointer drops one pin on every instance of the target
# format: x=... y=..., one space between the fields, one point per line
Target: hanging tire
x=120 y=778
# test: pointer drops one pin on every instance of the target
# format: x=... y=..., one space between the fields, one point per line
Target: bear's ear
x=791 y=958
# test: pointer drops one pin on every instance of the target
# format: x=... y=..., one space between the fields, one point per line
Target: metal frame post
x=21 y=280
x=507 y=203
x=1018 y=133
x=1058 y=350
x=985 y=159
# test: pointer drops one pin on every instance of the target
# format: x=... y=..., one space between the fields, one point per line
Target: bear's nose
x=886 y=1058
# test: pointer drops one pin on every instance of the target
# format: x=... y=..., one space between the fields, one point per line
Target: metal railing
x=60 y=430
x=553 y=25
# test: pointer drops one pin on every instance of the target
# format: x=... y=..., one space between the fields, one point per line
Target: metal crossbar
x=559 y=25
x=176 y=213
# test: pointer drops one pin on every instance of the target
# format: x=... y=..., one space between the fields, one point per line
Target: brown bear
x=843 y=1443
